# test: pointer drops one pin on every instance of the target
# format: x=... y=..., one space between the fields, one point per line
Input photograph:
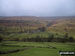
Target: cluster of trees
x=42 y=29
x=51 y=38
x=4 y=30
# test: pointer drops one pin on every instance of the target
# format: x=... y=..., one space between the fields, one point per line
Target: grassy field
x=21 y=36
x=38 y=48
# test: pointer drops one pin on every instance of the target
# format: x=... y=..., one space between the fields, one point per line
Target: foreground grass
x=7 y=48
x=36 y=50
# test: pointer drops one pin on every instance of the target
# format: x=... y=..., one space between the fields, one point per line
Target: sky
x=37 y=7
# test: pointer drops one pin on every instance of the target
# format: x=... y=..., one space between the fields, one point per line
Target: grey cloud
x=37 y=7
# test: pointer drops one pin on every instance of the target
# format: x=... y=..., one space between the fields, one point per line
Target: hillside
x=57 y=25
x=64 y=26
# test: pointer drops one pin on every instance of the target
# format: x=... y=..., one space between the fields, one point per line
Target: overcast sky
x=37 y=7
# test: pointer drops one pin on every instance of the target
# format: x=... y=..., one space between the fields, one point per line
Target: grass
x=7 y=48
x=63 y=46
x=38 y=51
x=45 y=34
x=35 y=52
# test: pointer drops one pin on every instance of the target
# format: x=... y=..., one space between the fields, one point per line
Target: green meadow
x=37 y=48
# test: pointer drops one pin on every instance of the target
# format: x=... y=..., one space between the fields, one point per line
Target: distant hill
x=60 y=25
x=63 y=26
x=34 y=17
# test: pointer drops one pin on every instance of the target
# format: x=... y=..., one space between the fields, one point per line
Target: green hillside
x=64 y=26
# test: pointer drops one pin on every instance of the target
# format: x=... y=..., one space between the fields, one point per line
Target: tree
x=16 y=39
x=1 y=29
x=42 y=29
x=51 y=37
x=38 y=39
x=1 y=39
x=71 y=39
x=65 y=39
x=66 y=35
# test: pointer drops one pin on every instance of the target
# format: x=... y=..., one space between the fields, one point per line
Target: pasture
x=36 y=48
